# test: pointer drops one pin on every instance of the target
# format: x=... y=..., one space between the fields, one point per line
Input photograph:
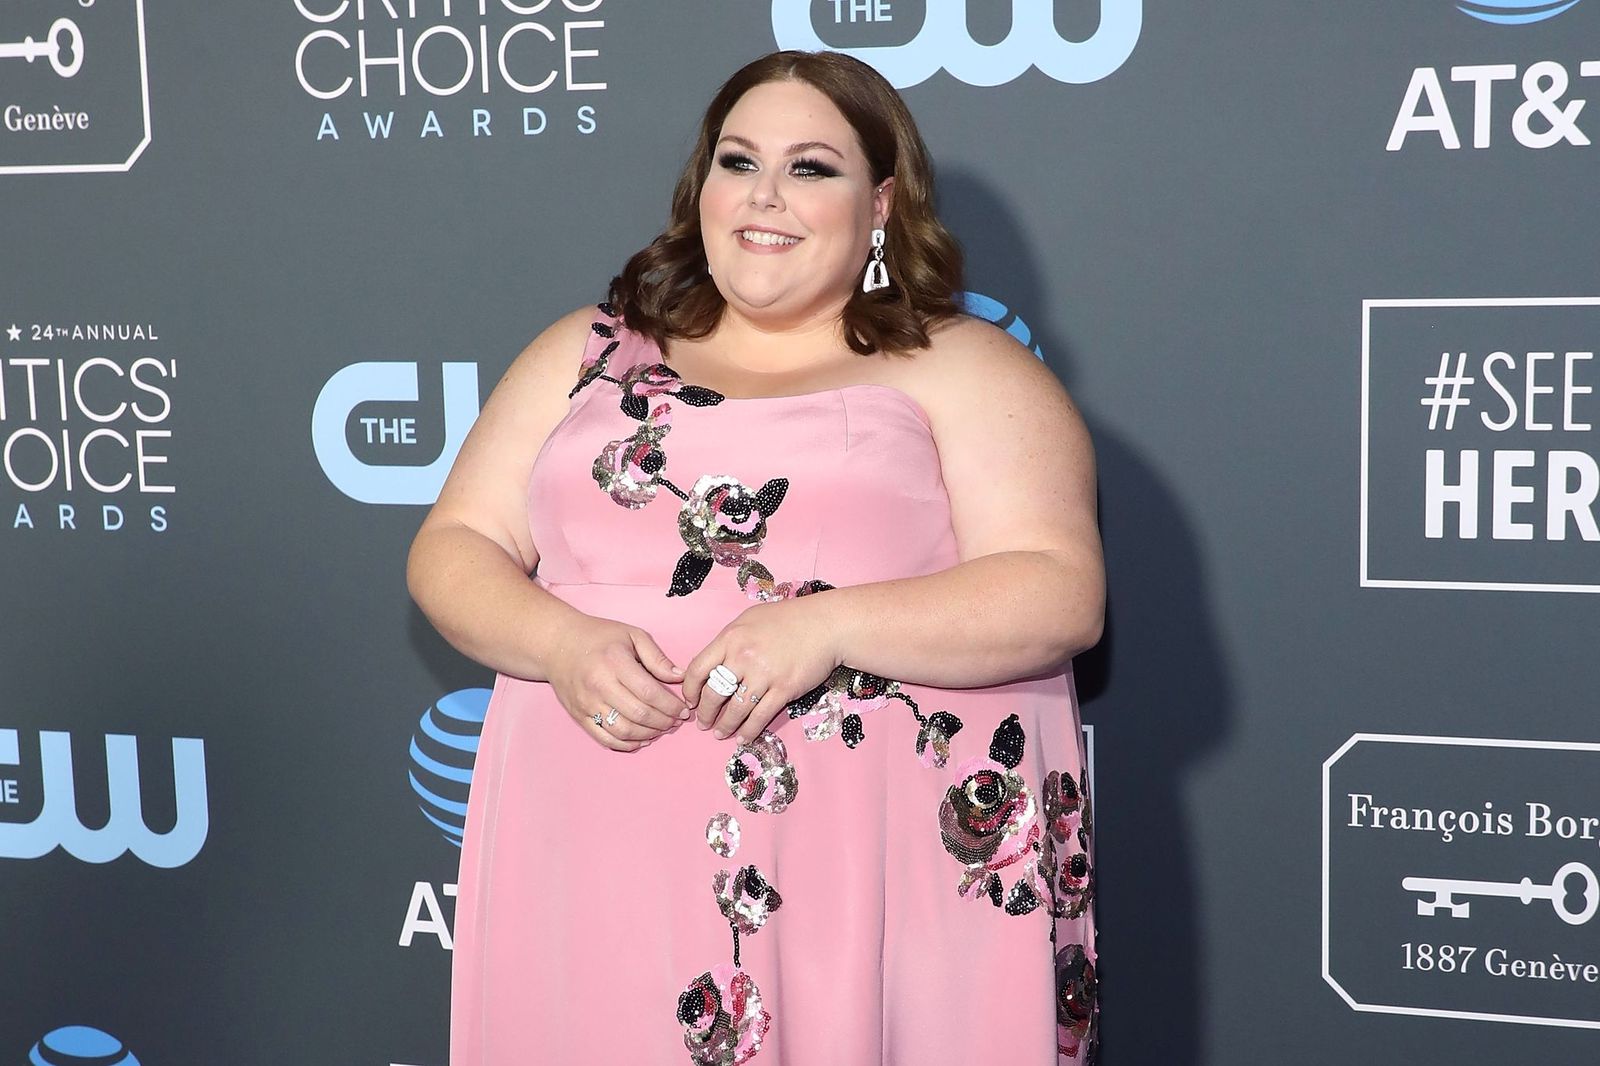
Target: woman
x=783 y=760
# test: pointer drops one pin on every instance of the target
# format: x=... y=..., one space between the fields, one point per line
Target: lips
x=764 y=238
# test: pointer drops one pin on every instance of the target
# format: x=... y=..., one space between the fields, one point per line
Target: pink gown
x=893 y=874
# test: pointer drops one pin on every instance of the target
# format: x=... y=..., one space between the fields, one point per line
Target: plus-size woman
x=782 y=562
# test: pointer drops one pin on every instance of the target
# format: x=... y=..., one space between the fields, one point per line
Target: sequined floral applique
x=760 y=775
x=1065 y=861
x=837 y=705
x=989 y=820
x=722 y=834
x=722 y=522
x=745 y=898
x=723 y=1020
x=631 y=469
x=642 y=382
x=1077 y=1004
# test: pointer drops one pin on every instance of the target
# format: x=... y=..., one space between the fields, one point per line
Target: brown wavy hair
x=665 y=291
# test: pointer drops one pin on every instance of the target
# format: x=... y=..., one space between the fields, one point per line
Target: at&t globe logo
x=442 y=753
x=1514 y=12
x=80 y=1045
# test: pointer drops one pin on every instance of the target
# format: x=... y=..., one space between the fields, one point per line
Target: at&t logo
x=57 y=824
x=443 y=750
x=943 y=43
x=366 y=383
x=1514 y=12
x=80 y=1045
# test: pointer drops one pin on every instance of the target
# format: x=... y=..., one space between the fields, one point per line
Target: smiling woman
x=783 y=762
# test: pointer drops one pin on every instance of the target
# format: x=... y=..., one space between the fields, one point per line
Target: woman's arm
x=469 y=565
x=1019 y=468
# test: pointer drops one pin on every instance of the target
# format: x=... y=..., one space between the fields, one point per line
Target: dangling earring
x=877 y=274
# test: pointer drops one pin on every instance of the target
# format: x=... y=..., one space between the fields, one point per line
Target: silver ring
x=611 y=719
x=596 y=717
x=754 y=700
x=740 y=691
x=722 y=681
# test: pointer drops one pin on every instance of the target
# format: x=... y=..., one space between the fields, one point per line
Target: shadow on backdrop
x=1155 y=688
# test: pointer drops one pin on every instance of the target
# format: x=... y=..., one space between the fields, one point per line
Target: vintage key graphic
x=30 y=49
x=1445 y=889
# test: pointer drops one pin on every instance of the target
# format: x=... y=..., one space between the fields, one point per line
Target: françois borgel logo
x=1479 y=465
x=391 y=72
x=1526 y=96
x=51 y=796
x=944 y=43
x=74 y=88
x=1459 y=878
x=377 y=444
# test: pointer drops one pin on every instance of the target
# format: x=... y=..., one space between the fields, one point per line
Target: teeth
x=755 y=236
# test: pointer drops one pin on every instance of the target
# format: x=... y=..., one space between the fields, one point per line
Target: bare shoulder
x=971 y=365
x=558 y=348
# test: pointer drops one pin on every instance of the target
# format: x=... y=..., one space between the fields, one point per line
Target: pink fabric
x=586 y=904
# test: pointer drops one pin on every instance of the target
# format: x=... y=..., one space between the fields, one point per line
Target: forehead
x=776 y=114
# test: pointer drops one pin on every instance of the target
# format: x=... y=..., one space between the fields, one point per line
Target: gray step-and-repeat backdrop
x=1322 y=276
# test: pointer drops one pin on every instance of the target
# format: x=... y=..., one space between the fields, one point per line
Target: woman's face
x=788 y=209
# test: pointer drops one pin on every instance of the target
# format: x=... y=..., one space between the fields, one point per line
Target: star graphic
x=13 y=333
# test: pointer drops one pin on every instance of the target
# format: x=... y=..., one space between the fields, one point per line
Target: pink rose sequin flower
x=631 y=469
x=644 y=381
x=1065 y=863
x=989 y=820
x=722 y=1017
x=760 y=777
x=745 y=898
x=1077 y=1009
x=722 y=522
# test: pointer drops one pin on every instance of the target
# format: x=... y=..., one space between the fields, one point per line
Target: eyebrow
x=793 y=149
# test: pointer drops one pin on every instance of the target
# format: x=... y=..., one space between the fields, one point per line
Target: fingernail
x=677 y=669
x=683 y=714
x=702 y=725
x=720 y=735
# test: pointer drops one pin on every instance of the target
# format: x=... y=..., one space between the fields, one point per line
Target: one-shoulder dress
x=892 y=874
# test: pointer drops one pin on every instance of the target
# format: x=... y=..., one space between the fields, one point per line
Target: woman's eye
x=734 y=161
x=812 y=168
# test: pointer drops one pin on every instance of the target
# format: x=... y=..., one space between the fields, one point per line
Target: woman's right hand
x=604 y=664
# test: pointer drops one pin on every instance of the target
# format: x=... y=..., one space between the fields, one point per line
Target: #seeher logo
x=1514 y=12
x=442 y=752
x=80 y=1045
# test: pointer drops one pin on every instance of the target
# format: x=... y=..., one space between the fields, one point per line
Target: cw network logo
x=80 y=1045
x=944 y=43
x=1514 y=12
x=360 y=384
x=57 y=823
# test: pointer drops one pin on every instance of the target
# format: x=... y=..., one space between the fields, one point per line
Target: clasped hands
x=613 y=678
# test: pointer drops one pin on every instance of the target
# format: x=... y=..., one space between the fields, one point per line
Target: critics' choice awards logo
x=80 y=1045
x=471 y=71
x=85 y=441
x=943 y=41
x=1459 y=878
x=1478 y=454
x=74 y=90
x=50 y=794
x=1535 y=99
x=443 y=750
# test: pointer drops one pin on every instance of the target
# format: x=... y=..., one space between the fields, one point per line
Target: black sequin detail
x=1022 y=898
x=607 y=310
x=699 y=396
x=1006 y=747
x=994 y=890
x=770 y=495
x=603 y=329
x=689 y=574
x=850 y=730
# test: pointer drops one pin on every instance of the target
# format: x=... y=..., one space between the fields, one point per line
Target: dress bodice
x=651 y=480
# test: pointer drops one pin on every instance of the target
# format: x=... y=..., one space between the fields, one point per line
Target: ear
x=882 y=202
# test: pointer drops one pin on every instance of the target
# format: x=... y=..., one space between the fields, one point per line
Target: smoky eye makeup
x=815 y=167
x=734 y=161
x=805 y=167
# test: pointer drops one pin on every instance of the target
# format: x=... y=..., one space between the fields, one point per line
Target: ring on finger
x=611 y=719
x=755 y=698
x=722 y=681
x=595 y=717
x=739 y=692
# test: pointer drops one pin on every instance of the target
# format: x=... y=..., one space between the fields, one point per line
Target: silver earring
x=877 y=274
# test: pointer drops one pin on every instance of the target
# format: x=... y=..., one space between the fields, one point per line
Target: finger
x=647 y=703
x=699 y=668
x=736 y=709
x=653 y=659
x=632 y=717
x=761 y=716
x=605 y=738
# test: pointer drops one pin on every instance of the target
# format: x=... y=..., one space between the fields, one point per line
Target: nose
x=764 y=193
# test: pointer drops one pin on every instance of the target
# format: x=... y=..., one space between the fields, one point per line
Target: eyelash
x=735 y=161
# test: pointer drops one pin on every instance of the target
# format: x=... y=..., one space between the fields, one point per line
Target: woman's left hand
x=779 y=651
